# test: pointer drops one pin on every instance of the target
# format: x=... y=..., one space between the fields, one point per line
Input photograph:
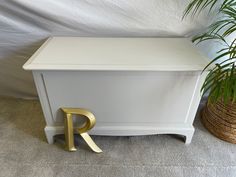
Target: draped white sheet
x=25 y=24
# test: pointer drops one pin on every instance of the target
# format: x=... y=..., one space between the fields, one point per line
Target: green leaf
x=221 y=80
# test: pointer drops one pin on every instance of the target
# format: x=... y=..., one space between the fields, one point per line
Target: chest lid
x=133 y=54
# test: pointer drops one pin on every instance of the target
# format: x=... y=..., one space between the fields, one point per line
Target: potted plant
x=219 y=114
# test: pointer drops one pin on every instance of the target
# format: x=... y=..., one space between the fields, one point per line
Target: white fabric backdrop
x=25 y=24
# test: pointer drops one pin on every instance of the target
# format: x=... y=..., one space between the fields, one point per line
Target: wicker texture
x=220 y=120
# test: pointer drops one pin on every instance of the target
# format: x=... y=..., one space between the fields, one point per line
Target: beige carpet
x=24 y=151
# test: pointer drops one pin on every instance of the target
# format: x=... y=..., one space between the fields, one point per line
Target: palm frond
x=198 y=5
x=221 y=80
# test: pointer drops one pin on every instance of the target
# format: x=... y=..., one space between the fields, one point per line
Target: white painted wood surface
x=134 y=86
x=81 y=53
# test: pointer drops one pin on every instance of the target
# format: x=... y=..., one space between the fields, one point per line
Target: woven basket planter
x=220 y=120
